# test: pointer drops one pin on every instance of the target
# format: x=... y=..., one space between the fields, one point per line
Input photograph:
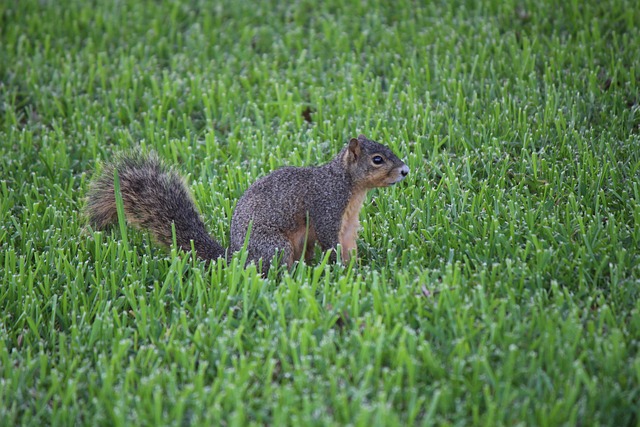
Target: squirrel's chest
x=349 y=224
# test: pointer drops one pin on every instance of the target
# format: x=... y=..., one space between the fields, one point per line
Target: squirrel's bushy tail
x=154 y=197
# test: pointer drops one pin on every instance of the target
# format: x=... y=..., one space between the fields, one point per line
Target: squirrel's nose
x=404 y=171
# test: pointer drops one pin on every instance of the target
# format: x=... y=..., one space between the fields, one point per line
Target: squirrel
x=286 y=212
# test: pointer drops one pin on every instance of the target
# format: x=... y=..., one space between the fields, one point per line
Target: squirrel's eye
x=377 y=160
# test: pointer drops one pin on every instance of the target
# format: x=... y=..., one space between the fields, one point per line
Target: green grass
x=497 y=286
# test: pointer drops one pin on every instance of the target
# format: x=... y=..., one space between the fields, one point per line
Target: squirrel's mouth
x=394 y=181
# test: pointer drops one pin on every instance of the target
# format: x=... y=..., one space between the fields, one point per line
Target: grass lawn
x=497 y=285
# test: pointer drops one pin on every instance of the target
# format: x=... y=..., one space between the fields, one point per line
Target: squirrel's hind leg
x=265 y=246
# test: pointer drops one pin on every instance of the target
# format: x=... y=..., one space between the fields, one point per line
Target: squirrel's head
x=371 y=164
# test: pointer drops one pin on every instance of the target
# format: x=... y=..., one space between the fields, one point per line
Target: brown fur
x=288 y=211
x=298 y=237
x=349 y=225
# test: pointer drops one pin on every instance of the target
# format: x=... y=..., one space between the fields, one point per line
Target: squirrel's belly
x=350 y=224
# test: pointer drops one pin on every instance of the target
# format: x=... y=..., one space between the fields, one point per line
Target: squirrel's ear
x=354 y=149
x=361 y=137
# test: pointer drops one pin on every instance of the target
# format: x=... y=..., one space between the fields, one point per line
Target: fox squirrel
x=289 y=210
